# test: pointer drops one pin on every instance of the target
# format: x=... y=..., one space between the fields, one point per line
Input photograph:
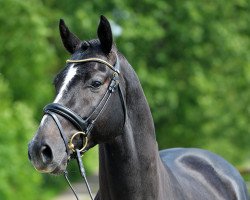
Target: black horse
x=131 y=166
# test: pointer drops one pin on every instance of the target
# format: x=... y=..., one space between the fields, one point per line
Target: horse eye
x=96 y=84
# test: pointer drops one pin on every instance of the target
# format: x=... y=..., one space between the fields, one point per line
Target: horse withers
x=99 y=101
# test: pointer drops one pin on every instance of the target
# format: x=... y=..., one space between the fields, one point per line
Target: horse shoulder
x=204 y=175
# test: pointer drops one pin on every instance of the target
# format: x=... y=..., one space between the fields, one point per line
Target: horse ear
x=105 y=35
x=70 y=41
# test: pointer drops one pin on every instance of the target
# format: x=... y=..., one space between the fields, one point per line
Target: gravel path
x=81 y=190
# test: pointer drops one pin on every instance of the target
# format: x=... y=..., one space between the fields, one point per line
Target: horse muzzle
x=45 y=160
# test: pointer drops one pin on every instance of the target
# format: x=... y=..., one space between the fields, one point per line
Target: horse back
x=204 y=175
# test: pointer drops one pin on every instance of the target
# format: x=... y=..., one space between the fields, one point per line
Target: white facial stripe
x=43 y=120
x=70 y=75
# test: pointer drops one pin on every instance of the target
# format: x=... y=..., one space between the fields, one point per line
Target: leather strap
x=74 y=118
x=115 y=68
x=59 y=126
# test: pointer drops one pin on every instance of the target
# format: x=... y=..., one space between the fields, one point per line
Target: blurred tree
x=18 y=178
x=26 y=54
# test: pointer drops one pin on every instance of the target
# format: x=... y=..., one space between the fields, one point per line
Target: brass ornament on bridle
x=84 y=141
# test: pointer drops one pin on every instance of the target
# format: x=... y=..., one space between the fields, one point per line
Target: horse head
x=84 y=113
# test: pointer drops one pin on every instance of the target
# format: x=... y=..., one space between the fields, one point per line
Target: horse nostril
x=46 y=154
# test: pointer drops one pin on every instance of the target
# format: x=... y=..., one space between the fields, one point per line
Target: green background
x=192 y=57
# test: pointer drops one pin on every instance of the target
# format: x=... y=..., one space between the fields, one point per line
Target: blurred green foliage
x=18 y=179
x=192 y=58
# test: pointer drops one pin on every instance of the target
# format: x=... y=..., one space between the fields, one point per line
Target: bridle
x=84 y=125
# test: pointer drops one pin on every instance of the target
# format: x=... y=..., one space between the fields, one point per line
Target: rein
x=84 y=125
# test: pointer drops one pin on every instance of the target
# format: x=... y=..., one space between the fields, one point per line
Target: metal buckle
x=72 y=146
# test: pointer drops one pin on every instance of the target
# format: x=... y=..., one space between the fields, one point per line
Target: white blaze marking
x=43 y=120
x=70 y=75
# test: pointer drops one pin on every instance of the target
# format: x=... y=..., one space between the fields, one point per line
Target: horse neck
x=130 y=166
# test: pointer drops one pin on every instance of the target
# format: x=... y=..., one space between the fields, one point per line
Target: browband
x=115 y=68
